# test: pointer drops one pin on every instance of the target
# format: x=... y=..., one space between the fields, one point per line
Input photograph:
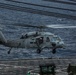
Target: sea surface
x=38 y=12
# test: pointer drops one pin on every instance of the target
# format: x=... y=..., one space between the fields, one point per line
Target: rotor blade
x=47 y=26
x=60 y=26
x=26 y=25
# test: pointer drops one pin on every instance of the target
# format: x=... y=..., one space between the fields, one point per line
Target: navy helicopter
x=35 y=39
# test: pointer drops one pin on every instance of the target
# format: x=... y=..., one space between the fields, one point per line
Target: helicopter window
x=47 y=39
x=31 y=42
x=39 y=40
x=57 y=38
x=32 y=39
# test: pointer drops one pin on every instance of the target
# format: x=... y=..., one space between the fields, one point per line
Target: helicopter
x=36 y=39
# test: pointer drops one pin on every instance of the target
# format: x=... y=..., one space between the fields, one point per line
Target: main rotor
x=41 y=27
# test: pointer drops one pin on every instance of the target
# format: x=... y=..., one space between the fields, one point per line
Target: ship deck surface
x=21 y=67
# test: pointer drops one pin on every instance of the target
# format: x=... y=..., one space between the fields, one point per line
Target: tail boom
x=2 y=38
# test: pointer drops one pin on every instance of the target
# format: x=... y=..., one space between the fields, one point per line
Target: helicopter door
x=47 y=42
x=31 y=42
x=39 y=40
x=47 y=39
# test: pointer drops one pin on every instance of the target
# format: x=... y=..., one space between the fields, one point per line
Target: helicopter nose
x=62 y=44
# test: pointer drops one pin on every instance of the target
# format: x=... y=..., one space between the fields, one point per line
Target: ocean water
x=9 y=16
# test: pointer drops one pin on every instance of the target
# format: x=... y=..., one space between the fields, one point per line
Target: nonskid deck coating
x=21 y=67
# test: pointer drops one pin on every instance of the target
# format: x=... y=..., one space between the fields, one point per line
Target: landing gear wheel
x=54 y=51
x=38 y=51
x=8 y=52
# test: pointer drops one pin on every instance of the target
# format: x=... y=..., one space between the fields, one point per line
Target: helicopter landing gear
x=38 y=50
x=53 y=44
x=54 y=51
x=9 y=50
x=54 y=48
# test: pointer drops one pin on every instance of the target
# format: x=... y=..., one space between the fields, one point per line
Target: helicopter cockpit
x=57 y=42
x=56 y=39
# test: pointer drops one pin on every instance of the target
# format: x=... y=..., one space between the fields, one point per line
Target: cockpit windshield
x=56 y=38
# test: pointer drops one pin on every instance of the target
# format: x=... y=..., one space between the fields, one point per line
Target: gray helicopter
x=36 y=39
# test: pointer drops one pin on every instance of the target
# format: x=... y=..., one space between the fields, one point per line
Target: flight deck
x=23 y=66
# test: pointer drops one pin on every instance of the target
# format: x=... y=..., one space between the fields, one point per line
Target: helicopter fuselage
x=38 y=40
x=30 y=41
